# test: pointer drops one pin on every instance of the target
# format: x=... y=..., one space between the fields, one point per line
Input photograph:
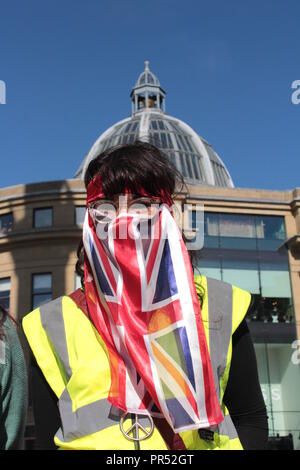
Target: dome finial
x=147 y=92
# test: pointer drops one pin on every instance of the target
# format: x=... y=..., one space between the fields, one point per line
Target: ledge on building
x=293 y=244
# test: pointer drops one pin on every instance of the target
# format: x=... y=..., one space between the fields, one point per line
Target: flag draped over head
x=142 y=299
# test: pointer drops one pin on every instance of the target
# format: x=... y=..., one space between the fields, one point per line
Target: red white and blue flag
x=142 y=299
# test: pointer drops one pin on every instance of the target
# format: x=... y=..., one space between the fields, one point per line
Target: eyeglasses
x=109 y=209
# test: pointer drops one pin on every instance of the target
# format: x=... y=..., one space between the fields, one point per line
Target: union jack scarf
x=142 y=300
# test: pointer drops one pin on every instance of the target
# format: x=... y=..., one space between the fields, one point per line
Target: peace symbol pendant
x=140 y=433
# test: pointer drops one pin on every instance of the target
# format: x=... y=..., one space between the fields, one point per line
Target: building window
x=41 y=289
x=42 y=217
x=270 y=232
x=6 y=223
x=237 y=226
x=243 y=273
x=278 y=370
x=5 y=292
x=246 y=251
x=79 y=214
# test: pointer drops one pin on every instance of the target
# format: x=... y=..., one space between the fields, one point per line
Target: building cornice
x=76 y=189
x=240 y=199
x=42 y=193
x=40 y=235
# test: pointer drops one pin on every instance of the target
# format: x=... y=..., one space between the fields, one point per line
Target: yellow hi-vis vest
x=74 y=360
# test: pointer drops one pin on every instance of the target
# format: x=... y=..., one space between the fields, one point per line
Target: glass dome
x=192 y=155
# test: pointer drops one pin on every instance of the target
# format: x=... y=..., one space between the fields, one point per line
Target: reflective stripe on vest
x=52 y=321
x=84 y=420
x=220 y=321
x=80 y=422
x=219 y=296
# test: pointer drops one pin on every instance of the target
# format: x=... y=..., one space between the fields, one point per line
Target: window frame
x=32 y=285
x=35 y=210
x=75 y=215
x=12 y=226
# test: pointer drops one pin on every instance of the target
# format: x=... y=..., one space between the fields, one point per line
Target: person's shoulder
x=54 y=307
x=57 y=314
x=203 y=281
x=241 y=298
x=53 y=303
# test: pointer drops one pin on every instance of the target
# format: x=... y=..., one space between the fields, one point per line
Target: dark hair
x=3 y=315
x=132 y=166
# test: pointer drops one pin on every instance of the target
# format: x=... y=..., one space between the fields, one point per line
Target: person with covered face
x=146 y=355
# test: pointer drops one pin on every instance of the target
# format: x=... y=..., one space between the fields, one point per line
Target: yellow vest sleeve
x=240 y=304
x=43 y=351
x=240 y=300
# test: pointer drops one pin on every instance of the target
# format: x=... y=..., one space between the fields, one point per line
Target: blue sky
x=227 y=67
